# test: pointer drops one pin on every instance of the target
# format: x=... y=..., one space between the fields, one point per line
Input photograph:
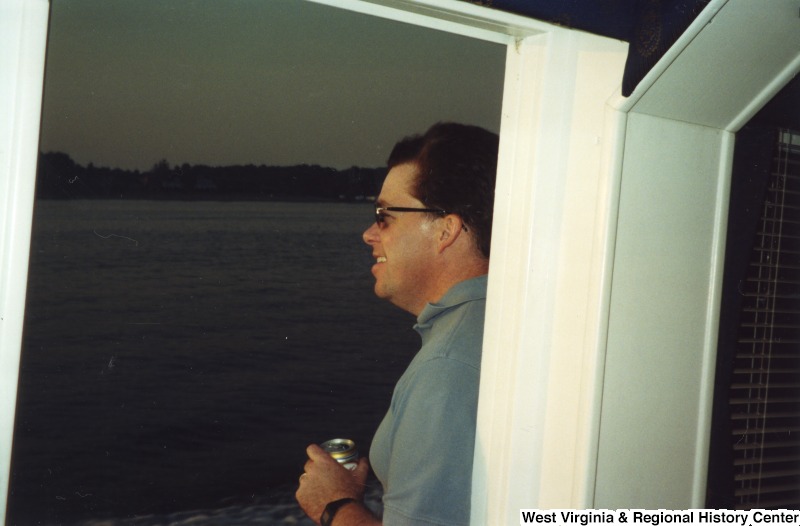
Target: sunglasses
x=380 y=216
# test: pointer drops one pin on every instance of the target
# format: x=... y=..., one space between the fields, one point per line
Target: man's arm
x=325 y=481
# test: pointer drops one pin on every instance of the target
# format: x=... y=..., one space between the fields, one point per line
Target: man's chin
x=380 y=292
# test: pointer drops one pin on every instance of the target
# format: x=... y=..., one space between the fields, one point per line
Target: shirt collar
x=462 y=292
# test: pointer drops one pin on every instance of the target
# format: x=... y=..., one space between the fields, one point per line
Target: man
x=430 y=242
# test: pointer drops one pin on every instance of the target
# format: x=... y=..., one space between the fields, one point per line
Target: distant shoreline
x=213 y=198
x=59 y=177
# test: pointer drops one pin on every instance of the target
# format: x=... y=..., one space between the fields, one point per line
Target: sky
x=276 y=82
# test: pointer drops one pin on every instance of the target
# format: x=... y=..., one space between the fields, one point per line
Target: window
x=196 y=312
x=754 y=449
x=765 y=388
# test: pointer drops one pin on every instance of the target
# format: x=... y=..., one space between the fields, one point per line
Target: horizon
x=173 y=166
x=60 y=177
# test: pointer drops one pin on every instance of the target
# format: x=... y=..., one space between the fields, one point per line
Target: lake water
x=179 y=356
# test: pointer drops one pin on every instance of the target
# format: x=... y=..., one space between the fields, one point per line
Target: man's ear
x=452 y=227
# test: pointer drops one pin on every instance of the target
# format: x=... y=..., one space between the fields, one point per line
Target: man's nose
x=370 y=235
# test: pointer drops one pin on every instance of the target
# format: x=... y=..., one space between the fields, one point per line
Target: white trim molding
x=452 y=16
x=554 y=212
x=23 y=34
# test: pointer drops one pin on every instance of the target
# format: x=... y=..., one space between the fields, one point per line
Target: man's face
x=404 y=245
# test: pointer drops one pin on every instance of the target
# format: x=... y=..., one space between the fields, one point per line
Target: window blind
x=764 y=396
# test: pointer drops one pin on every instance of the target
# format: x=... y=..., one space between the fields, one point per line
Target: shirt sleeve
x=432 y=445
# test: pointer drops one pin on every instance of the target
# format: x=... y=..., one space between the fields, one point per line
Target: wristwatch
x=331 y=509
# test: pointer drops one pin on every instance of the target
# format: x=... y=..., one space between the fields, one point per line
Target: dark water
x=180 y=355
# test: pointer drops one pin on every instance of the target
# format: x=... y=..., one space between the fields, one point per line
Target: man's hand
x=325 y=480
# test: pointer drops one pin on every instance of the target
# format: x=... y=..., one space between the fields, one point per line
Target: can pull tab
x=343 y=450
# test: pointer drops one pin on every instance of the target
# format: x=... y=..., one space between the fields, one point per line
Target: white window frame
x=23 y=35
x=664 y=305
x=556 y=404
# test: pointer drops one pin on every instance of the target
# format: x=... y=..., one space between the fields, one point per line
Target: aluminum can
x=343 y=450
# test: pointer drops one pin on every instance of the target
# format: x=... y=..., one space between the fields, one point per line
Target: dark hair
x=456 y=169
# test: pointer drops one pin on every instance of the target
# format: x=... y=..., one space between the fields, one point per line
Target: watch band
x=331 y=509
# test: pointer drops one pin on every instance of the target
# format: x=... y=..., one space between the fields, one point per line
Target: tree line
x=60 y=177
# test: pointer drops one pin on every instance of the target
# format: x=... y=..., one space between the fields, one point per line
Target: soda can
x=343 y=450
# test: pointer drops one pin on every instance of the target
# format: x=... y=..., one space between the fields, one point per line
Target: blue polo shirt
x=422 y=451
